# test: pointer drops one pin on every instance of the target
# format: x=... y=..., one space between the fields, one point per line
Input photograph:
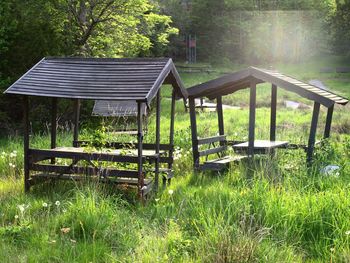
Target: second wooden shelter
x=249 y=78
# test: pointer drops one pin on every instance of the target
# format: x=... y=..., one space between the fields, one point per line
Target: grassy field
x=277 y=211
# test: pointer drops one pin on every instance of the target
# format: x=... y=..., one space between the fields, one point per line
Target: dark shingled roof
x=112 y=108
x=240 y=80
x=136 y=79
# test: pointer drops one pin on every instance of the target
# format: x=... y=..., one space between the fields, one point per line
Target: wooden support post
x=327 y=130
x=26 y=143
x=156 y=181
x=194 y=133
x=171 y=136
x=273 y=113
x=139 y=151
x=76 y=121
x=312 y=136
x=53 y=125
x=220 y=118
x=252 y=110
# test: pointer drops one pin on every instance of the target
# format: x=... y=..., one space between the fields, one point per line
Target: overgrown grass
x=278 y=210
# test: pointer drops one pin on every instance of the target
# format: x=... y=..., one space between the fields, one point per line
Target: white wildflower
x=157 y=199
x=13 y=154
x=171 y=192
x=16 y=216
x=57 y=203
x=10 y=164
x=45 y=205
x=347 y=232
x=21 y=208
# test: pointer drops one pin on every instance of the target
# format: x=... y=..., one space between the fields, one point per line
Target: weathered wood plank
x=212 y=151
x=213 y=139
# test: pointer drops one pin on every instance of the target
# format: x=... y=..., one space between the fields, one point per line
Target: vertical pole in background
x=194 y=133
x=26 y=143
x=220 y=117
x=327 y=130
x=139 y=151
x=195 y=48
x=312 y=136
x=273 y=113
x=53 y=125
x=76 y=106
x=252 y=110
x=157 y=140
x=172 y=124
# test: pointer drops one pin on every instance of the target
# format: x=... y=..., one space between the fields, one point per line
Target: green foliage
x=30 y=30
x=261 y=31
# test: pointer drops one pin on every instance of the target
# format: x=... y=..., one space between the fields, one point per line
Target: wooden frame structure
x=77 y=79
x=249 y=78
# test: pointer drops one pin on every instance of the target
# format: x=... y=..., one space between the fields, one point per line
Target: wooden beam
x=327 y=130
x=26 y=143
x=171 y=136
x=220 y=118
x=156 y=179
x=273 y=113
x=76 y=119
x=53 y=125
x=139 y=150
x=219 y=149
x=220 y=138
x=194 y=132
x=252 y=110
x=312 y=136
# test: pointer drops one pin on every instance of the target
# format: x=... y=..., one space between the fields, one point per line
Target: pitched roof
x=111 y=108
x=239 y=80
x=136 y=79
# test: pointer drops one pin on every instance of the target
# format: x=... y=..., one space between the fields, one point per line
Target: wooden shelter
x=249 y=78
x=77 y=79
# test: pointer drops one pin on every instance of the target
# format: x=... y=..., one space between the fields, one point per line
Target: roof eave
x=8 y=90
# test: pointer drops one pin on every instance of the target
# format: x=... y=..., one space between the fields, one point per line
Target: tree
x=32 y=29
x=115 y=27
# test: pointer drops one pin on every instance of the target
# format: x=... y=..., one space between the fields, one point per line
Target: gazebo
x=249 y=78
x=76 y=79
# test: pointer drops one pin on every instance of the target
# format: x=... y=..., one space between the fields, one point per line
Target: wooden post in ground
x=194 y=133
x=139 y=151
x=252 y=110
x=53 y=125
x=26 y=143
x=76 y=106
x=171 y=136
x=273 y=113
x=313 y=128
x=156 y=181
x=220 y=117
x=327 y=130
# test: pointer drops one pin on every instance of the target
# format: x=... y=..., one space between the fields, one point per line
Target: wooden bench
x=165 y=159
x=77 y=171
x=223 y=161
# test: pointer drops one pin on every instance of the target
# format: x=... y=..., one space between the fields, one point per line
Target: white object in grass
x=331 y=170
